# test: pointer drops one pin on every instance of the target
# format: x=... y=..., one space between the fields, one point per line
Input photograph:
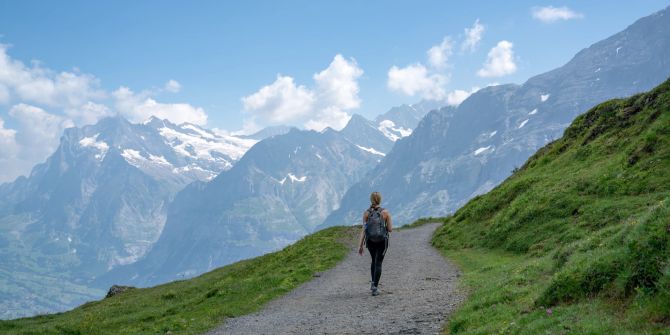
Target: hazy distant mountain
x=278 y=192
x=400 y=121
x=454 y=155
x=365 y=134
x=267 y=132
x=98 y=202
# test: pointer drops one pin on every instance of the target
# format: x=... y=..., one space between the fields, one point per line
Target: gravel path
x=418 y=291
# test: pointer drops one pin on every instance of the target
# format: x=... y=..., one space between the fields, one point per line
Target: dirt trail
x=418 y=291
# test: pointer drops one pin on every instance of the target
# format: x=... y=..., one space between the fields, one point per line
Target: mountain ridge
x=477 y=145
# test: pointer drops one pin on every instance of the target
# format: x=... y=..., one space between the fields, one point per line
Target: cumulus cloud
x=8 y=150
x=7 y=140
x=429 y=82
x=280 y=102
x=415 y=79
x=141 y=106
x=552 y=14
x=39 y=129
x=337 y=85
x=36 y=137
x=172 y=86
x=455 y=97
x=500 y=61
x=88 y=113
x=4 y=94
x=40 y=85
x=438 y=55
x=472 y=37
x=285 y=102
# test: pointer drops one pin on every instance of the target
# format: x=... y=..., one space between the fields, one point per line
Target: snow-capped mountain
x=456 y=154
x=400 y=121
x=278 y=192
x=98 y=202
x=366 y=136
x=187 y=151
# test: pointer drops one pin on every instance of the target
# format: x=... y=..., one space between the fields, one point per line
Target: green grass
x=582 y=229
x=199 y=304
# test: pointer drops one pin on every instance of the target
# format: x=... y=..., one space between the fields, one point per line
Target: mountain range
x=98 y=202
x=281 y=189
x=101 y=201
x=147 y=203
x=456 y=154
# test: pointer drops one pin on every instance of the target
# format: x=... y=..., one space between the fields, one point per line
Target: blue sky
x=121 y=54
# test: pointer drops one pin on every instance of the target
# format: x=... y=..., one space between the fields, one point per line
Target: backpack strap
x=381 y=215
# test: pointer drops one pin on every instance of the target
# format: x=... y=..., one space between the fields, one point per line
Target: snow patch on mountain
x=132 y=155
x=198 y=130
x=202 y=144
x=92 y=142
x=523 y=123
x=293 y=178
x=209 y=175
x=371 y=150
x=544 y=97
x=159 y=160
x=389 y=129
x=481 y=150
x=297 y=179
x=533 y=112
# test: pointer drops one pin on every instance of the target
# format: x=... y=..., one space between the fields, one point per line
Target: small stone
x=117 y=289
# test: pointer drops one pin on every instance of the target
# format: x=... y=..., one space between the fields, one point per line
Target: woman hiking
x=376 y=228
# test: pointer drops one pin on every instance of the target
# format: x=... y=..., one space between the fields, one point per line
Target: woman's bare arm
x=362 y=238
x=389 y=222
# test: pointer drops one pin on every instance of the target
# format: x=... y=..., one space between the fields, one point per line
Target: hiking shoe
x=375 y=291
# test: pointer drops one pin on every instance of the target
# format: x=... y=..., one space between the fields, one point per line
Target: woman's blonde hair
x=375 y=199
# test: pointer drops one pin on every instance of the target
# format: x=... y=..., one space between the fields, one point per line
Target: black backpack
x=375 y=227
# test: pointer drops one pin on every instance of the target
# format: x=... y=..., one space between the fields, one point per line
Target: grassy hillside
x=578 y=239
x=196 y=305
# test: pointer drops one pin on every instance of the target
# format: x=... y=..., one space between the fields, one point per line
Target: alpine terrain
x=281 y=189
x=100 y=201
x=456 y=154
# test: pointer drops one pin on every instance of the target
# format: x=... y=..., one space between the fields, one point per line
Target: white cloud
x=8 y=150
x=438 y=55
x=141 y=106
x=4 y=94
x=40 y=85
x=472 y=37
x=36 y=138
x=337 y=85
x=415 y=79
x=326 y=105
x=336 y=91
x=330 y=116
x=552 y=14
x=455 y=97
x=500 y=61
x=7 y=139
x=39 y=129
x=88 y=113
x=280 y=102
x=172 y=86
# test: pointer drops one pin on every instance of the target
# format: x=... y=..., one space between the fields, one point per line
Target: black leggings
x=377 y=252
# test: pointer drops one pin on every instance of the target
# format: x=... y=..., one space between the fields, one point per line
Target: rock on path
x=418 y=291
